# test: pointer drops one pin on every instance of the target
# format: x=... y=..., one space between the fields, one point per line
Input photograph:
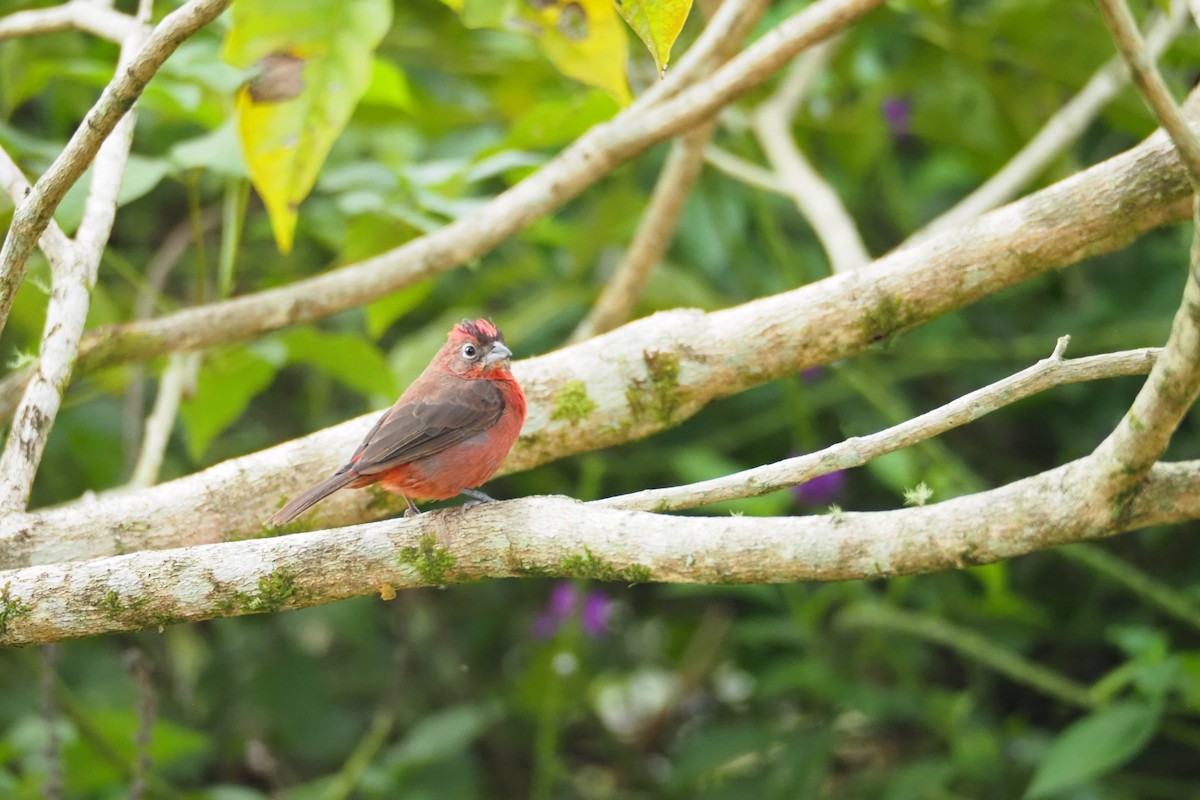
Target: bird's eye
x=469 y=351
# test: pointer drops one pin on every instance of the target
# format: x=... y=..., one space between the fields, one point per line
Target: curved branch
x=650 y=374
x=34 y=213
x=854 y=452
x=1143 y=434
x=542 y=536
x=589 y=158
x=813 y=196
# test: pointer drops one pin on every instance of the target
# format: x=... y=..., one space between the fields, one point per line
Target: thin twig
x=745 y=171
x=655 y=231
x=814 y=197
x=176 y=378
x=1047 y=373
x=1066 y=126
x=52 y=789
x=1149 y=81
x=34 y=213
x=1144 y=432
x=79 y=15
x=139 y=668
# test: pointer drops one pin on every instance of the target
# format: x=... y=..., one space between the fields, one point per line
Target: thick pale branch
x=854 y=452
x=67 y=312
x=1066 y=126
x=589 y=158
x=34 y=213
x=542 y=536
x=651 y=374
x=80 y=15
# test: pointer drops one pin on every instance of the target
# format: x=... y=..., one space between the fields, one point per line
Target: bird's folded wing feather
x=415 y=430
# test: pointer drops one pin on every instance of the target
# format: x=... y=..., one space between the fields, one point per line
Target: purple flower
x=812 y=374
x=594 y=615
x=565 y=603
x=821 y=490
x=897 y=112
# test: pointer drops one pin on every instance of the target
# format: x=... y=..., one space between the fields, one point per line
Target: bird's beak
x=499 y=353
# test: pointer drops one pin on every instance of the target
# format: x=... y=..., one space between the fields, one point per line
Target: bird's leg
x=412 y=509
x=477 y=497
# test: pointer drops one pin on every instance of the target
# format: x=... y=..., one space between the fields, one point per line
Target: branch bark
x=649 y=374
x=541 y=536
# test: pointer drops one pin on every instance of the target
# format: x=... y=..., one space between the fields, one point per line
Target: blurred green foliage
x=1070 y=674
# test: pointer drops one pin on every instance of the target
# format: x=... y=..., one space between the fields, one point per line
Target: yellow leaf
x=309 y=63
x=657 y=23
x=584 y=39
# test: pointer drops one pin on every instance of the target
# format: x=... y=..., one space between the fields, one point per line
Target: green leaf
x=657 y=23
x=345 y=358
x=216 y=151
x=310 y=64
x=389 y=308
x=388 y=87
x=441 y=735
x=1093 y=746
x=228 y=381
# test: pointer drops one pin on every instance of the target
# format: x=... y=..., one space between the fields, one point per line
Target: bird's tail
x=312 y=496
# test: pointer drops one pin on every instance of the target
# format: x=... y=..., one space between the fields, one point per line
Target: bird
x=445 y=435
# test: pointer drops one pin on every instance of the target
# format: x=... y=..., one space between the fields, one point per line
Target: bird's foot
x=412 y=510
x=478 y=498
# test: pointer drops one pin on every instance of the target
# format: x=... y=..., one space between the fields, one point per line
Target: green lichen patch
x=571 y=403
x=658 y=396
x=589 y=567
x=886 y=318
x=434 y=563
x=12 y=608
x=112 y=604
x=275 y=589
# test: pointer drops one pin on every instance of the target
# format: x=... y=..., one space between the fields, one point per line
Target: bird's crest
x=481 y=330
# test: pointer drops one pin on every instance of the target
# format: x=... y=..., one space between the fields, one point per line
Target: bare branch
x=1066 y=126
x=854 y=452
x=589 y=158
x=745 y=171
x=54 y=243
x=78 y=15
x=649 y=374
x=814 y=197
x=557 y=536
x=1144 y=432
x=66 y=314
x=179 y=374
x=615 y=304
x=34 y=213
x=1149 y=82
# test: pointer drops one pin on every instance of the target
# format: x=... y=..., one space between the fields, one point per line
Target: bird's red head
x=476 y=350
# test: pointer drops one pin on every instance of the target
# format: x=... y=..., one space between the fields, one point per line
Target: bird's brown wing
x=418 y=429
